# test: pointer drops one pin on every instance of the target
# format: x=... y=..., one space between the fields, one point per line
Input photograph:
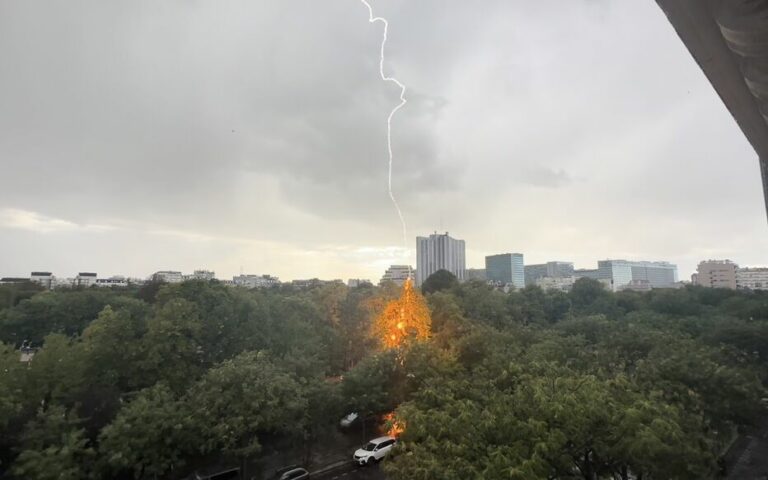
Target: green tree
x=438 y=281
x=53 y=447
x=151 y=437
x=248 y=396
x=172 y=347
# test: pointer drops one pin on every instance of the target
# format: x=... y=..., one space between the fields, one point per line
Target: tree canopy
x=159 y=381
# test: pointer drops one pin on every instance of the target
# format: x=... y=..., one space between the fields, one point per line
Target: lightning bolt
x=403 y=101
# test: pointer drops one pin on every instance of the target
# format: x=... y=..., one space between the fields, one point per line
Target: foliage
x=438 y=281
x=404 y=319
x=521 y=385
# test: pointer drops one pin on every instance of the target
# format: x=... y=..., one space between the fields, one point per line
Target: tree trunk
x=624 y=473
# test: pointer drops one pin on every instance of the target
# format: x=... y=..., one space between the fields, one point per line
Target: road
x=352 y=472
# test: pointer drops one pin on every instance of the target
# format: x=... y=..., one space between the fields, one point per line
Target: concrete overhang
x=729 y=41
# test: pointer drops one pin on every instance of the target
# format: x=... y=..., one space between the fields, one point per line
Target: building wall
x=555 y=283
x=717 y=274
x=85 y=279
x=506 y=268
x=45 y=279
x=549 y=269
x=168 y=276
x=534 y=273
x=255 y=281
x=752 y=278
x=397 y=273
x=476 y=274
x=594 y=274
x=622 y=273
x=439 y=252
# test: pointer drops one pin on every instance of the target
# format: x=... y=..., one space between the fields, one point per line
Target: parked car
x=349 y=419
x=295 y=474
x=374 y=450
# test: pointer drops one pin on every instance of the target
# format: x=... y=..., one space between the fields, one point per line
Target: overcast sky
x=138 y=136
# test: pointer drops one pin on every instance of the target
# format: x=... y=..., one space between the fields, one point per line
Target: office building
x=85 y=279
x=555 y=283
x=506 y=269
x=716 y=274
x=115 y=281
x=167 y=276
x=476 y=274
x=549 y=269
x=752 y=278
x=45 y=279
x=255 y=281
x=398 y=274
x=637 y=286
x=205 y=275
x=623 y=272
x=592 y=273
x=439 y=252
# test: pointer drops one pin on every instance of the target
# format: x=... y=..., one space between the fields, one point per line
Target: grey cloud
x=266 y=121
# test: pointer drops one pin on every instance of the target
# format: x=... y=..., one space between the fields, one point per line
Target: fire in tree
x=404 y=318
x=393 y=425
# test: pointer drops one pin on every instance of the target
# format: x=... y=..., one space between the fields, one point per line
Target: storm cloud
x=136 y=136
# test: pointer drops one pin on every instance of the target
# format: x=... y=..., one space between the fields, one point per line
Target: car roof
x=381 y=439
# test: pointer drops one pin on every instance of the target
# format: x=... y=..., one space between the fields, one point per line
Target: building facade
x=752 y=278
x=115 y=281
x=255 y=281
x=205 y=275
x=555 y=283
x=549 y=269
x=476 y=274
x=592 y=273
x=398 y=274
x=85 y=279
x=45 y=279
x=439 y=252
x=622 y=272
x=506 y=269
x=167 y=276
x=716 y=274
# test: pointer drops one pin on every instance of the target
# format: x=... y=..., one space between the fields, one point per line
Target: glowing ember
x=406 y=317
x=394 y=426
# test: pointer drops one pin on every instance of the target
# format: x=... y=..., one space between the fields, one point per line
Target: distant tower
x=439 y=252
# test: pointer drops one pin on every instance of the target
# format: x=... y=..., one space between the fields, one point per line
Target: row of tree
x=155 y=382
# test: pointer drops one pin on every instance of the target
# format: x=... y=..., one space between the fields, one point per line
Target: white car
x=348 y=420
x=374 y=450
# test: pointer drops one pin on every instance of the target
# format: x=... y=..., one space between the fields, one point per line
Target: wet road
x=354 y=473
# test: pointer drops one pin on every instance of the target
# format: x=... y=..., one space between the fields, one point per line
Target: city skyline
x=548 y=265
x=536 y=146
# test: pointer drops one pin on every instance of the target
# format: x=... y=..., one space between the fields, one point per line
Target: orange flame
x=408 y=316
x=395 y=427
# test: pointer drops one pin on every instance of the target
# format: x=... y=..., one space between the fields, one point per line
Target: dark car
x=295 y=474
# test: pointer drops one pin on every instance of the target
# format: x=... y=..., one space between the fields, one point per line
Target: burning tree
x=404 y=318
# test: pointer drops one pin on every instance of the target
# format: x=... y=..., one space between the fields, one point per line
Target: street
x=353 y=472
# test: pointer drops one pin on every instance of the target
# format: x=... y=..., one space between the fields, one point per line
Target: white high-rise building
x=439 y=252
